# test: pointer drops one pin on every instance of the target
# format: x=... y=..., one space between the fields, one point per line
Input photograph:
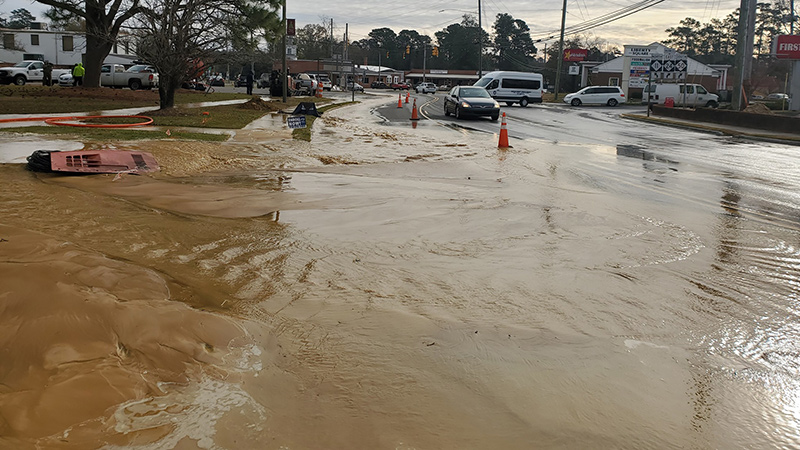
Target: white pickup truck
x=25 y=71
x=140 y=76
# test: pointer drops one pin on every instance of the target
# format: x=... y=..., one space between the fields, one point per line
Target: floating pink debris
x=87 y=161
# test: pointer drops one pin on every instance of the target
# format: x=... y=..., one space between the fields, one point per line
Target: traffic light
x=435 y=51
x=408 y=49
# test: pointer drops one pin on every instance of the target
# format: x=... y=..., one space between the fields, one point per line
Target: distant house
x=62 y=48
x=367 y=74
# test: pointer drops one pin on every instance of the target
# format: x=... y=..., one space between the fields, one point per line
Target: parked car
x=464 y=101
x=263 y=81
x=241 y=81
x=425 y=88
x=443 y=87
x=326 y=82
x=682 y=94
x=777 y=96
x=596 y=95
x=65 y=79
x=25 y=71
x=354 y=87
x=303 y=83
x=379 y=85
x=216 y=80
x=400 y=85
x=140 y=76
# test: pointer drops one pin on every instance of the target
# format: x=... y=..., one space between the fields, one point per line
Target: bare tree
x=104 y=19
x=179 y=36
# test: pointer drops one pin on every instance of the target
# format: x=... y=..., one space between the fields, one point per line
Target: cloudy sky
x=542 y=16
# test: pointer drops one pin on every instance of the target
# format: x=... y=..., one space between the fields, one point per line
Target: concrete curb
x=704 y=127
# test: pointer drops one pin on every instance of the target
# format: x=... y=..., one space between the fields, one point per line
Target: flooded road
x=390 y=287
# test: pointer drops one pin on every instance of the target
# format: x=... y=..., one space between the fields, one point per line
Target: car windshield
x=141 y=68
x=474 y=92
x=483 y=82
x=21 y=64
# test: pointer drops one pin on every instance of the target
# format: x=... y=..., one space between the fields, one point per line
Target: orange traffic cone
x=319 y=90
x=503 y=134
x=407 y=95
x=414 y=115
x=399 y=100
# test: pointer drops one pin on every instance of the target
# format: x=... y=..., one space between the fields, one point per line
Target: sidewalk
x=749 y=133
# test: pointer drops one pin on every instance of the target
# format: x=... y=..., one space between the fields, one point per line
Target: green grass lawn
x=43 y=100
x=31 y=99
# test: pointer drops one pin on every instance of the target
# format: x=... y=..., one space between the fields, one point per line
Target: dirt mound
x=257 y=104
x=758 y=108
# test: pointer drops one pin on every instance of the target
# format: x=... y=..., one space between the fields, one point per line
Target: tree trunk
x=166 y=93
x=96 y=52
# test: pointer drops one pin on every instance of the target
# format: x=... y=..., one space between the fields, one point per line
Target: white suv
x=426 y=88
x=596 y=95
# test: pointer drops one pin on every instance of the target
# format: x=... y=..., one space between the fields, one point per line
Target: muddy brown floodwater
x=393 y=288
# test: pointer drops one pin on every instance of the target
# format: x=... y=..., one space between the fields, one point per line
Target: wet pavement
x=603 y=283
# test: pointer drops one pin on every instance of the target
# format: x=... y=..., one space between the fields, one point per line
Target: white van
x=695 y=95
x=513 y=87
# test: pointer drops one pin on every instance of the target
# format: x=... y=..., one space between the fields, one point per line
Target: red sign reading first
x=787 y=46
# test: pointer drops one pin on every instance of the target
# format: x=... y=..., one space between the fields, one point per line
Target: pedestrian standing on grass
x=47 y=76
x=249 y=82
x=77 y=74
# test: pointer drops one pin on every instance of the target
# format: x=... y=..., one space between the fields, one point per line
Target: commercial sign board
x=637 y=51
x=639 y=72
x=787 y=47
x=575 y=54
x=670 y=66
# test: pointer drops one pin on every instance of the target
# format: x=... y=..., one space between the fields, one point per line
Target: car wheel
x=575 y=102
x=19 y=80
x=523 y=102
x=612 y=102
x=712 y=104
x=134 y=84
x=509 y=103
x=458 y=112
x=495 y=117
x=446 y=111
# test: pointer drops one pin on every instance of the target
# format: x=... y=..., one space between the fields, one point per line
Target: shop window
x=613 y=81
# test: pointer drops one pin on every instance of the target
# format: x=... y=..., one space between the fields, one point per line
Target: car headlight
x=465 y=104
x=496 y=105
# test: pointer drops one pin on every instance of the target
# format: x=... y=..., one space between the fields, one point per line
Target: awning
x=443 y=76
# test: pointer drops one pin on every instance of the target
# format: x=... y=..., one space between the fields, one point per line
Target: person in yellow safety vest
x=77 y=74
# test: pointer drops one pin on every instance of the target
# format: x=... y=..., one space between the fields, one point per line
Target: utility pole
x=480 y=42
x=744 y=52
x=560 y=55
x=424 y=58
x=285 y=75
